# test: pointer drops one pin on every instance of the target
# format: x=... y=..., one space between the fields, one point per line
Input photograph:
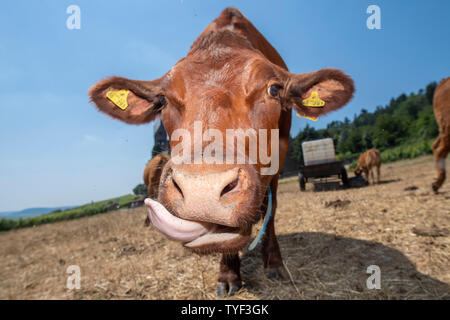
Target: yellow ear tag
x=314 y=101
x=119 y=98
x=307 y=117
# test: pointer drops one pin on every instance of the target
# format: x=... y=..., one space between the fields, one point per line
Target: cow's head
x=229 y=80
x=358 y=170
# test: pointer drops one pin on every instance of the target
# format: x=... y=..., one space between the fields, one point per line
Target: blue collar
x=261 y=232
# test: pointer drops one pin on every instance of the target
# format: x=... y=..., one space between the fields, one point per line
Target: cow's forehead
x=220 y=68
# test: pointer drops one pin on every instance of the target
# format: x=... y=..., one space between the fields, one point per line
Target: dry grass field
x=326 y=248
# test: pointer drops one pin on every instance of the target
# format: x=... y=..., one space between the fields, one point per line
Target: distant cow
x=367 y=161
x=441 y=146
x=152 y=176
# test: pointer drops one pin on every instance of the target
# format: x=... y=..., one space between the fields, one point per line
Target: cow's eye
x=160 y=103
x=274 y=91
x=162 y=100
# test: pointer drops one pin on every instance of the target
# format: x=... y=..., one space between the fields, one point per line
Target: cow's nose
x=208 y=197
x=213 y=185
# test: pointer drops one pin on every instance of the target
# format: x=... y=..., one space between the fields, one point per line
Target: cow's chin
x=221 y=239
x=198 y=236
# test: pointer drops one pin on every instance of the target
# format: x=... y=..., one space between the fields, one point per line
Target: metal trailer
x=320 y=162
x=320 y=171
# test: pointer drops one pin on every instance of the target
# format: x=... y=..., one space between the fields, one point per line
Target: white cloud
x=91 y=138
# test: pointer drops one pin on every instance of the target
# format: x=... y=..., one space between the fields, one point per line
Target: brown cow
x=231 y=78
x=441 y=147
x=152 y=176
x=367 y=161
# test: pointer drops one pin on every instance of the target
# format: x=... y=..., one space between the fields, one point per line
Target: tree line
x=404 y=128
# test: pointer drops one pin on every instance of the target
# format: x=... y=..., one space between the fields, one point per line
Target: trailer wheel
x=302 y=182
x=344 y=177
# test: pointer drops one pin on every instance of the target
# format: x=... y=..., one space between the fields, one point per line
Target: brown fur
x=224 y=82
x=441 y=147
x=367 y=161
x=152 y=176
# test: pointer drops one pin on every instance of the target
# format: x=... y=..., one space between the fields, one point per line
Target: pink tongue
x=173 y=227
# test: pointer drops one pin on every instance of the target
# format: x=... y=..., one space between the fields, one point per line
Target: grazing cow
x=366 y=162
x=231 y=79
x=441 y=147
x=152 y=176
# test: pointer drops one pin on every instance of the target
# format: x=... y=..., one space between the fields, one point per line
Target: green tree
x=140 y=189
x=429 y=91
x=388 y=131
x=425 y=127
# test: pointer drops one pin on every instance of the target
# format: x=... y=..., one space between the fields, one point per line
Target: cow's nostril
x=177 y=187
x=229 y=187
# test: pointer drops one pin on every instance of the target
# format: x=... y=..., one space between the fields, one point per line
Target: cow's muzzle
x=207 y=208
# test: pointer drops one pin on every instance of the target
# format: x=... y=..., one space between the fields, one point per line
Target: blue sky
x=56 y=149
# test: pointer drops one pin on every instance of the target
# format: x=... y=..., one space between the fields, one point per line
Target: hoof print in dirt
x=337 y=204
x=432 y=231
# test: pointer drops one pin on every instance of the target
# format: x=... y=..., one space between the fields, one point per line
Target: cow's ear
x=131 y=101
x=316 y=93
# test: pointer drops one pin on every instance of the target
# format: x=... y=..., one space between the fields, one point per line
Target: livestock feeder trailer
x=321 y=167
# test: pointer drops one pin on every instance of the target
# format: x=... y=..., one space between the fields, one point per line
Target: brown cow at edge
x=366 y=162
x=231 y=78
x=441 y=147
x=152 y=176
